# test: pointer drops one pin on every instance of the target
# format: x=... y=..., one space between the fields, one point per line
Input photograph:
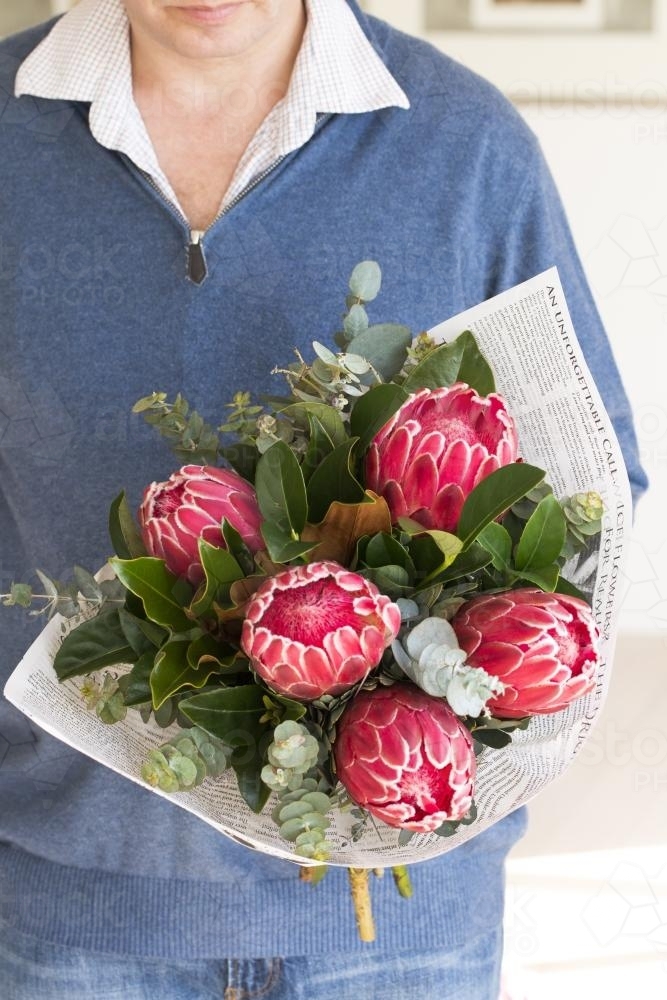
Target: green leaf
x=281 y=490
x=494 y=738
x=135 y=634
x=172 y=672
x=460 y=361
x=86 y=584
x=385 y=550
x=136 y=686
x=319 y=446
x=545 y=578
x=333 y=480
x=565 y=587
x=328 y=416
x=372 y=411
x=96 y=643
x=496 y=540
x=385 y=346
x=220 y=571
x=543 y=537
x=433 y=552
x=125 y=536
x=467 y=563
x=208 y=651
x=281 y=546
x=294 y=710
x=248 y=776
x=163 y=594
x=366 y=280
x=230 y=714
x=494 y=495
x=243 y=458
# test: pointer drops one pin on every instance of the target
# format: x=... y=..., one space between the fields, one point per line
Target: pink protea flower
x=404 y=756
x=543 y=647
x=317 y=629
x=191 y=505
x=436 y=449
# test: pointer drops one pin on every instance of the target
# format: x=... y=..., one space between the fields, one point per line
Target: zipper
x=196 y=265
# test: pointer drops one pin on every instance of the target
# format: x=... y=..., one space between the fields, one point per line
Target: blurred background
x=587 y=887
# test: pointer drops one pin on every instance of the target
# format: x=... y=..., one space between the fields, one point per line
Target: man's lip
x=208 y=13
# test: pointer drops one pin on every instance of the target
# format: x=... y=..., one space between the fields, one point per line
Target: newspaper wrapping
x=527 y=335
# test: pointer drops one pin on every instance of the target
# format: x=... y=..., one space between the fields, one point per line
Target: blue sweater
x=453 y=199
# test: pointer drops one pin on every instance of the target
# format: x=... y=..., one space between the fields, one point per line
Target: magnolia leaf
x=460 y=361
x=136 y=686
x=366 y=280
x=494 y=495
x=220 y=570
x=172 y=672
x=282 y=546
x=372 y=411
x=125 y=537
x=344 y=524
x=281 y=490
x=163 y=594
x=248 y=769
x=468 y=562
x=333 y=481
x=96 y=643
x=136 y=635
x=220 y=656
x=543 y=537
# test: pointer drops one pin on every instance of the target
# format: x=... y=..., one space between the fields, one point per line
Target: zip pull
x=197 y=268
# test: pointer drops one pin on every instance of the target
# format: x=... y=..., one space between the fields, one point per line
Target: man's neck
x=259 y=76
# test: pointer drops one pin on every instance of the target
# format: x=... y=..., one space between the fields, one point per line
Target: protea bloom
x=436 y=449
x=542 y=647
x=317 y=629
x=191 y=505
x=404 y=756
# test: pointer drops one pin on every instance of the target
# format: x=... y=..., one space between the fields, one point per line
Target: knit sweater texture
x=452 y=197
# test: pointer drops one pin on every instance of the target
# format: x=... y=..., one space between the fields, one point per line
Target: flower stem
x=362 y=903
x=402 y=880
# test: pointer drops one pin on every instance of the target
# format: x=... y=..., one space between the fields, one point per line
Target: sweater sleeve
x=537 y=236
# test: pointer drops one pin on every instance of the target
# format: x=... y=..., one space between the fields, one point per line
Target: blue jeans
x=35 y=970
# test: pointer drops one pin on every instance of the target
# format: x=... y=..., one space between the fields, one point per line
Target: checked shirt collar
x=86 y=57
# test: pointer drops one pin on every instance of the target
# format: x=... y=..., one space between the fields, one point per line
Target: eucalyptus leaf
x=385 y=346
x=366 y=280
x=356 y=321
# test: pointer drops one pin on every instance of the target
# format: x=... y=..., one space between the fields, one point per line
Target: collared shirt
x=87 y=57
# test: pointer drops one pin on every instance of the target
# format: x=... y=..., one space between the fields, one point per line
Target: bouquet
x=344 y=605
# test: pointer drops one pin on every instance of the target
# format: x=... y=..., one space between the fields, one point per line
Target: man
x=186 y=188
